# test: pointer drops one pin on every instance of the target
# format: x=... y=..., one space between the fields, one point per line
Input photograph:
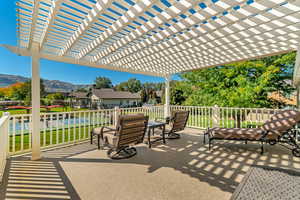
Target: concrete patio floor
x=180 y=169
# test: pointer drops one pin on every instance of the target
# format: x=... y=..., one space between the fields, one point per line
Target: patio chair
x=279 y=129
x=130 y=130
x=177 y=122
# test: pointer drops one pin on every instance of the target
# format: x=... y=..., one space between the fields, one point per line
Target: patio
x=181 y=169
x=156 y=38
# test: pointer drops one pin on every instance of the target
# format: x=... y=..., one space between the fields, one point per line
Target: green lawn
x=51 y=139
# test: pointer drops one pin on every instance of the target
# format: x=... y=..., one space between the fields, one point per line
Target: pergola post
x=35 y=99
x=296 y=78
x=167 y=96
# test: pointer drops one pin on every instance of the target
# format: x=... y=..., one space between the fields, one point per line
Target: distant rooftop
x=111 y=94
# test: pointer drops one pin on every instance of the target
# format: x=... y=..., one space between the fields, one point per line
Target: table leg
x=149 y=138
x=163 y=133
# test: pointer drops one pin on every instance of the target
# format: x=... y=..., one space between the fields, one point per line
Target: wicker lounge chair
x=177 y=122
x=279 y=129
x=130 y=130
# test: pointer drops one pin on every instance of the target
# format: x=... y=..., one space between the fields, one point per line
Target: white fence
x=67 y=127
x=4 y=122
x=207 y=117
x=72 y=127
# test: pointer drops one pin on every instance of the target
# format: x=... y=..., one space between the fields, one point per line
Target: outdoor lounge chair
x=177 y=122
x=130 y=130
x=279 y=129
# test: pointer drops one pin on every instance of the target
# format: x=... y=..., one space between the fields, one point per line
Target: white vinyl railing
x=200 y=116
x=207 y=117
x=4 y=122
x=72 y=127
x=67 y=127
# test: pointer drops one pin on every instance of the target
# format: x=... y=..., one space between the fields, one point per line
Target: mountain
x=6 y=80
x=50 y=85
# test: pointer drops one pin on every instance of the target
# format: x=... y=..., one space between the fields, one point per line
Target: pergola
x=153 y=37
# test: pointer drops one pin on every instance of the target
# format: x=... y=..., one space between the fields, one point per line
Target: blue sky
x=18 y=65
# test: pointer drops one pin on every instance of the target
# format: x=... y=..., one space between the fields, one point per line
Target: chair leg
x=98 y=139
x=262 y=147
x=149 y=138
x=246 y=141
x=209 y=144
x=91 y=137
x=163 y=134
x=204 y=136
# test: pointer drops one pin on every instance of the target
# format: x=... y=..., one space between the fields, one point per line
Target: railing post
x=116 y=114
x=216 y=116
x=4 y=134
x=6 y=127
x=167 y=96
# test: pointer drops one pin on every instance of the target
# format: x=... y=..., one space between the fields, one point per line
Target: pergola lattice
x=154 y=37
x=159 y=37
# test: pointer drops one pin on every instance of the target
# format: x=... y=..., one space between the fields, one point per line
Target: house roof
x=111 y=94
x=79 y=95
x=157 y=37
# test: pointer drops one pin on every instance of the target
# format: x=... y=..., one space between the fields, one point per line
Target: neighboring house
x=108 y=98
x=79 y=99
x=291 y=100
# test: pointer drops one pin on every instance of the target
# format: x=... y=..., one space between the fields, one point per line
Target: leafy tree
x=121 y=86
x=243 y=84
x=55 y=96
x=26 y=89
x=82 y=90
x=132 y=85
x=19 y=91
x=103 y=82
x=2 y=95
x=143 y=94
x=51 y=98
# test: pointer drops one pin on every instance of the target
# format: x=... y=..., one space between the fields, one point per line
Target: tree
x=55 y=96
x=2 y=94
x=51 y=98
x=82 y=90
x=243 y=84
x=26 y=89
x=132 y=85
x=103 y=82
x=19 y=91
x=143 y=95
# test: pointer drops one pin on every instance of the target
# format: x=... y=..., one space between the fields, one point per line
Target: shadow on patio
x=181 y=169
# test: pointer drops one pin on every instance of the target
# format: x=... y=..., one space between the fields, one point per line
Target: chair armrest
x=108 y=129
x=105 y=129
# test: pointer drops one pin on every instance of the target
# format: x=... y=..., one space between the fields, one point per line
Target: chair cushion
x=236 y=133
x=282 y=121
x=110 y=138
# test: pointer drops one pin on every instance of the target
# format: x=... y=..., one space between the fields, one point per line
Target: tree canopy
x=242 y=84
x=21 y=91
x=103 y=82
x=132 y=85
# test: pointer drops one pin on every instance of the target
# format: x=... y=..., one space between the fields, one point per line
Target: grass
x=51 y=139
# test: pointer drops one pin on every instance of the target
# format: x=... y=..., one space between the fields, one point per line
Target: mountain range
x=50 y=85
